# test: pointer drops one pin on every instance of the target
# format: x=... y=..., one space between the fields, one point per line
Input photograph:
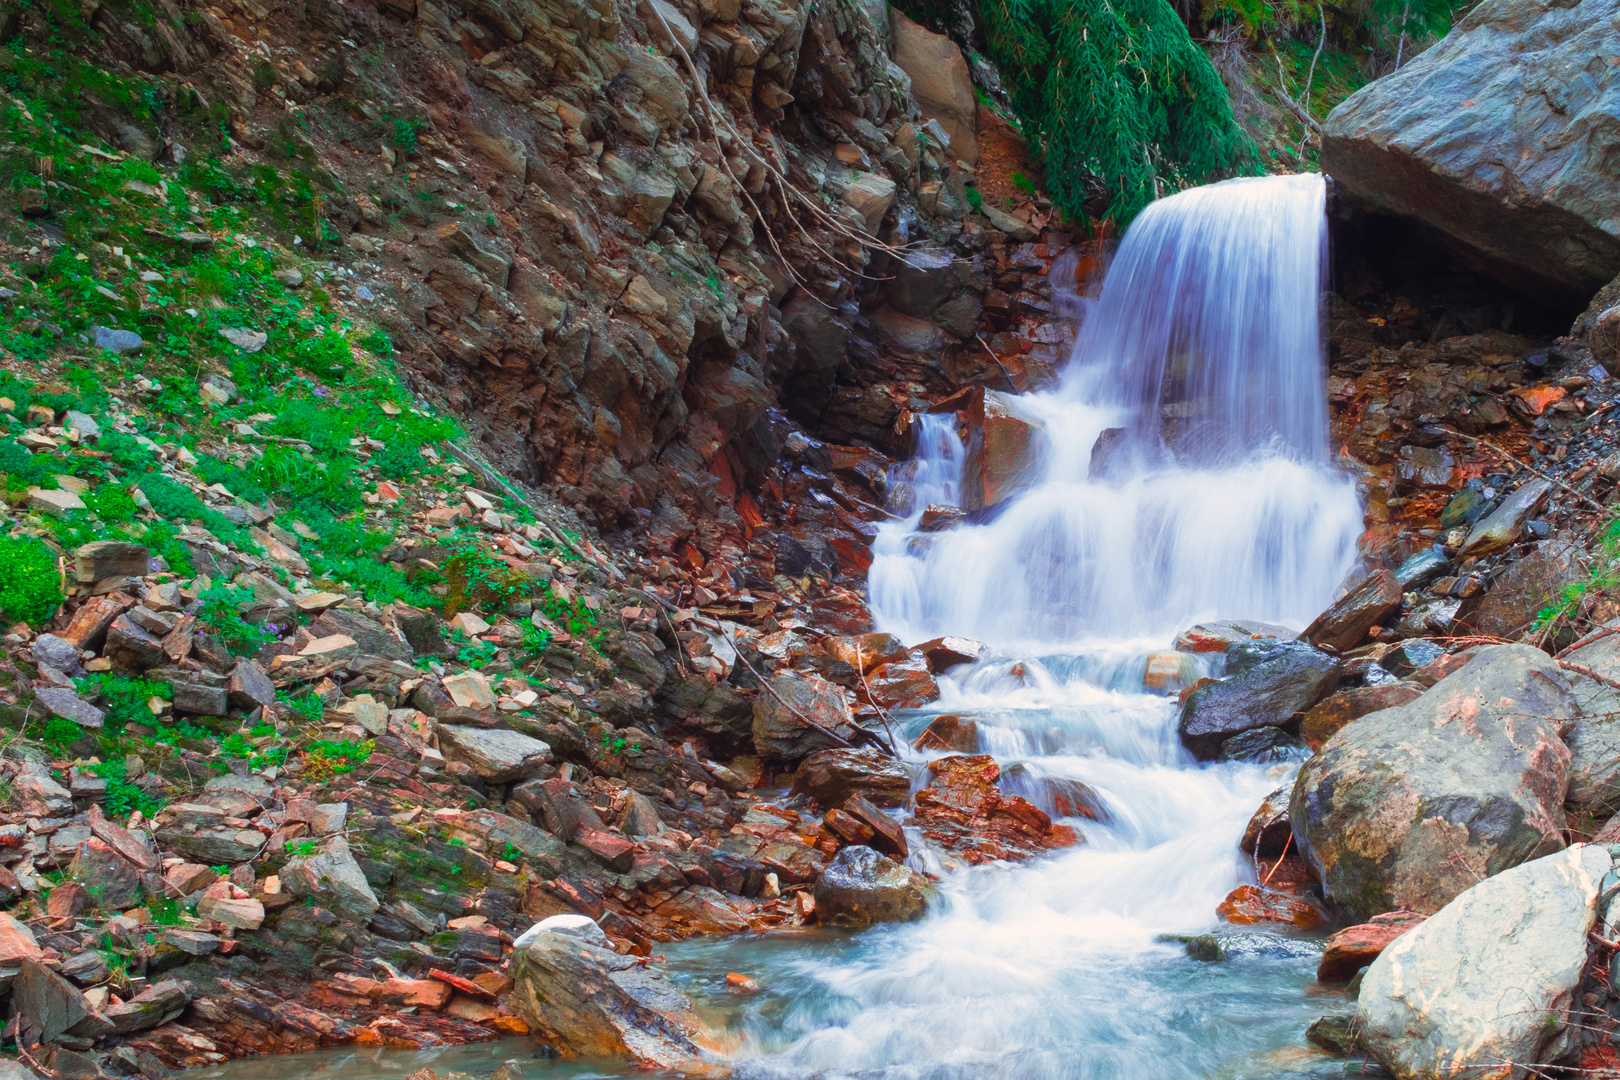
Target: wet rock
x=1407 y=658
x=880 y=830
x=1338 y=1035
x=789 y=716
x=944 y=653
x=1250 y=904
x=904 y=685
x=1269 y=831
x=1407 y=807
x=497 y=755
x=940 y=81
x=1329 y=716
x=866 y=652
x=949 y=732
x=832 y=776
x=590 y=1002
x=1001 y=449
x=1501 y=529
x=1481 y=138
x=1353 y=948
x=1262 y=745
x=861 y=887
x=964 y=812
x=1433 y=1002
x=332 y=879
x=938 y=518
x=1421 y=569
x=1268 y=683
x=1345 y=623
x=1220 y=635
x=1535 y=582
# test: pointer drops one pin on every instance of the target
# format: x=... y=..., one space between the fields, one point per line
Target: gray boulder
x=781 y=712
x=1594 y=739
x=591 y=1002
x=1268 y=682
x=1408 y=807
x=1491 y=977
x=861 y=887
x=333 y=880
x=495 y=754
x=1502 y=137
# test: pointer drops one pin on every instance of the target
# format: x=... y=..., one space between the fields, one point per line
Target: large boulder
x=1594 y=740
x=940 y=81
x=862 y=887
x=1485 y=987
x=589 y=1001
x=1268 y=682
x=1407 y=807
x=1503 y=138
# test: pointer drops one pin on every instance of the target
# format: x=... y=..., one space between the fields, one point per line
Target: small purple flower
x=320 y=392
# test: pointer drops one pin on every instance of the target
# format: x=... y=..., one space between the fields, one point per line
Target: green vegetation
x=30 y=584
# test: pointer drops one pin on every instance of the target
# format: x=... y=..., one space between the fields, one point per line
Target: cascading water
x=1204 y=353
x=1216 y=499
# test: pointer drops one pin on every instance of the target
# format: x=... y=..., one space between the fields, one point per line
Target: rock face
x=1407 y=807
x=940 y=82
x=590 y=1001
x=1502 y=137
x=1491 y=977
x=1268 y=683
x=862 y=887
x=1528 y=586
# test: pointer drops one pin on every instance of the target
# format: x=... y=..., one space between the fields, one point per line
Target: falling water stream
x=1202 y=358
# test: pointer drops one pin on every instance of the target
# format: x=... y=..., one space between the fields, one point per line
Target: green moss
x=30 y=583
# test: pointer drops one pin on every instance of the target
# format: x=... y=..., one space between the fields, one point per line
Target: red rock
x=1353 y=948
x=864 y=652
x=90 y=622
x=887 y=836
x=962 y=810
x=466 y=986
x=1001 y=446
x=615 y=852
x=847 y=827
x=904 y=685
x=1269 y=833
x=1250 y=904
x=738 y=983
x=1345 y=623
x=66 y=900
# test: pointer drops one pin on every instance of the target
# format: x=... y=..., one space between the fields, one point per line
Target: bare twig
x=1282 y=92
x=1010 y=384
x=1286 y=845
x=1305 y=98
x=1582 y=669
x=860 y=667
x=1595 y=636
x=771 y=690
x=1593 y=503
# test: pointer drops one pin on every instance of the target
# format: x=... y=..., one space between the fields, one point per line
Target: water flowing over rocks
x=1498 y=137
x=1486 y=985
x=1408 y=806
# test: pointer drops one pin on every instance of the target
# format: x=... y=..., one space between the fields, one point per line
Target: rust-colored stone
x=1247 y=905
x=1353 y=948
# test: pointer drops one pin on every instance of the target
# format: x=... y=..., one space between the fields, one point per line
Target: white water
x=1049 y=970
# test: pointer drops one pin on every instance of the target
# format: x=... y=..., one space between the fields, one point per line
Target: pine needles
x=1117 y=92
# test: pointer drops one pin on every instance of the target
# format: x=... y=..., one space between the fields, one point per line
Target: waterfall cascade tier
x=1199 y=367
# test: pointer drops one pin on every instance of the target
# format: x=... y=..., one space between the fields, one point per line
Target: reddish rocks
x=944 y=653
x=963 y=811
x=1326 y=717
x=1001 y=449
x=1353 y=948
x=904 y=685
x=949 y=732
x=1247 y=905
x=864 y=652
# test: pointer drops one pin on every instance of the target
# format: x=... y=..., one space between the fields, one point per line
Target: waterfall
x=1199 y=370
x=1179 y=470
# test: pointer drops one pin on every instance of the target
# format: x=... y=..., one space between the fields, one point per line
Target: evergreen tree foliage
x=1116 y=91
